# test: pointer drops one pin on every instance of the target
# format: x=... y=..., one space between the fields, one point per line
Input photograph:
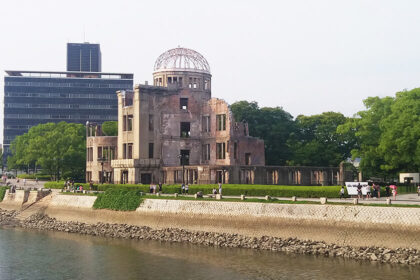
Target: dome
x=182 y=59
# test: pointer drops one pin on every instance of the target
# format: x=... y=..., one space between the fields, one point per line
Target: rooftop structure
x=181 y=59
x=84 y=57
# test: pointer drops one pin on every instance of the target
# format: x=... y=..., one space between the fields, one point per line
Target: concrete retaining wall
x=330 y=213
x=75 y=201
x=13 y=201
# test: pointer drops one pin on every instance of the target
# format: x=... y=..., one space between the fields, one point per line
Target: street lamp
x=102 y=161
x=183 y=157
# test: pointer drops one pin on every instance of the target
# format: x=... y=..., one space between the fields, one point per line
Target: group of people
x=155 y=188
x=374 y=191
x=69 y=186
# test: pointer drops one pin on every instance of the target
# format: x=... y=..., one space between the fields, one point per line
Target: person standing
x=186 y=188
x=387 y=190
x=160 y=187
x=418 y=190
x=378 y=189
x=182 y=188
x=394 y=191
x=359 y=191
x=220 y=187
x=342 y=192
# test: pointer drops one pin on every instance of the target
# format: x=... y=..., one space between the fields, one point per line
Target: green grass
x=121 y=199
x=2 y=192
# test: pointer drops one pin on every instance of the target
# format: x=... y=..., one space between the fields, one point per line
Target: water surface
x=51 y=255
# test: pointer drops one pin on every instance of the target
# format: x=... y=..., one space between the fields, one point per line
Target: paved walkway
x=30 y=183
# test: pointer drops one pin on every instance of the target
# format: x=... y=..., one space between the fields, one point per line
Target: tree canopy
x=274 y=125
x=59 y=148
x=388 y=134
x=317 y=143
x=110 y=128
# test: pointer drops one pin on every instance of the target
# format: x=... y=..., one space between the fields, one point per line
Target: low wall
x=13 y=201
x=389 y=227
x=74 y=201
x=330 y=213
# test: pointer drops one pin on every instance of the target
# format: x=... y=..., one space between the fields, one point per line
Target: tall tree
x=388 y=134
x=60 y=149
x=317 y=143
x=274 y=125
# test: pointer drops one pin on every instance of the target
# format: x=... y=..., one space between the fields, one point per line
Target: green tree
x=274 y=125
x=317 y=143
x=388 y=134
x=59 y=148
x=110 y=128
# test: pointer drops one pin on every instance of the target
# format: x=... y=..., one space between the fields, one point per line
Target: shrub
x=2 y=192
x=228 y=189
x=122 y=199
x=34 y=176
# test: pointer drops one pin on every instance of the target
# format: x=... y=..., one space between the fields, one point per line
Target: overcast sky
x=305 y=56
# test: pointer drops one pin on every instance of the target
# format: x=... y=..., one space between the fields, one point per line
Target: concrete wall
x=343 y=225
x=76 y=201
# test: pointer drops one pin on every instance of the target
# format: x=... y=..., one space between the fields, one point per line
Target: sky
x=307 y=57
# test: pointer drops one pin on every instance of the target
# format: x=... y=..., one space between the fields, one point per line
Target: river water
x=54 y=255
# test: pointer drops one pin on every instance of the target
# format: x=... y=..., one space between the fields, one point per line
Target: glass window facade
x=32 y=99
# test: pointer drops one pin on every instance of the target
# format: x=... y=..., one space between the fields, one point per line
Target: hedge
x=228 y=189
x=122 y=199
x=2 y=192
x=42 y=177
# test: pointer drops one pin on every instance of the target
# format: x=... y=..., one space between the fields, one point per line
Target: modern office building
x=34 y=97
x=84 y=57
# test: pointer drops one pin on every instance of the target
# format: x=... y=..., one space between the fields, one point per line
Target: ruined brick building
x=174 y=131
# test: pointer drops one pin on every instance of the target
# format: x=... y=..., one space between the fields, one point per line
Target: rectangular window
x=130 y=150
x=89 y=155
x=206 y=151
x=151 y=146
x=105 y=153
x=99 y=152
x=220 y=150
x=185 y=129
x=185 y=157
x=183 y=103
x=112 y=154
x=128 y=123
x=247 y=158
x=221 y=122
x=151 y=123
x=206 y=124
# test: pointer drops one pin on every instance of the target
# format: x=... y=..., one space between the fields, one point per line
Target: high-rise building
x=84 y=57
x=34 y=97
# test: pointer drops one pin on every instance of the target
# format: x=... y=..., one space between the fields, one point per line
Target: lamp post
x=102 y=161
x=183 y=157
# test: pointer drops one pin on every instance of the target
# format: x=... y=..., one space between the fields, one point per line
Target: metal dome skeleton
x=182 y=59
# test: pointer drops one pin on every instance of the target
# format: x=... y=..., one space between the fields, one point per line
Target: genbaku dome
x=174 y=132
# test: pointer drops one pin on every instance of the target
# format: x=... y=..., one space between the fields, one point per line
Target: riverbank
x=357 y=232
x=292 y=245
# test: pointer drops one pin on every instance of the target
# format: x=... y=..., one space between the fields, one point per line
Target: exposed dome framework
x=182 y=59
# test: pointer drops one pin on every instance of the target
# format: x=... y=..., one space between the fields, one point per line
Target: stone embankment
x=292 y=245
